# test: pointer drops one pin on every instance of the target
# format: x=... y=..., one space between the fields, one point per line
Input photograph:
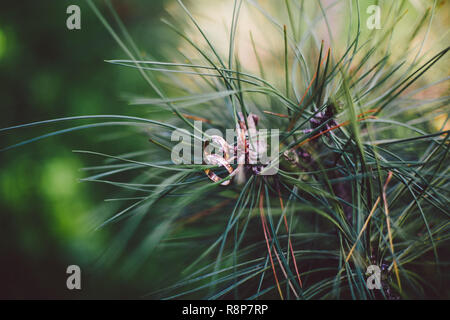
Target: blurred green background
x=47 y=216
x=48 y=71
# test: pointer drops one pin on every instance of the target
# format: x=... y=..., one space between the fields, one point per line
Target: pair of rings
x=215 y=159
x=242 y=149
